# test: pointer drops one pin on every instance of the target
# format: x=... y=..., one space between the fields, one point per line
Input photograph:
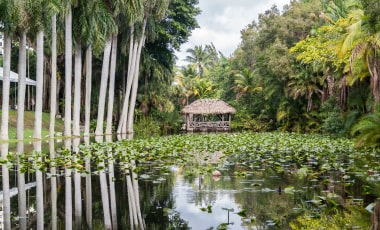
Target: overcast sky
x=221 y=22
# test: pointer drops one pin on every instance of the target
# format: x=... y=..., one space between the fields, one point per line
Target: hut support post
x=187 y=122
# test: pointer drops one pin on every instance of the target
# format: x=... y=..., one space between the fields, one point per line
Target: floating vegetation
x=327 y=164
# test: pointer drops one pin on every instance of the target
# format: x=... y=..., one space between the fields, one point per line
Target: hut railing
x=210 y=125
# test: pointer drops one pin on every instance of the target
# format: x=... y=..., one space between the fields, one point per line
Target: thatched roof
x=208 y=106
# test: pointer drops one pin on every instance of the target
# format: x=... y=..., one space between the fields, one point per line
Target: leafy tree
x=202 y=58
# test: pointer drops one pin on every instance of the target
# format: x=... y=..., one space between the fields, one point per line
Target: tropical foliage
x=312 y=67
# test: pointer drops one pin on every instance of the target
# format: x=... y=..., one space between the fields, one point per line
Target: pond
x=148 y=189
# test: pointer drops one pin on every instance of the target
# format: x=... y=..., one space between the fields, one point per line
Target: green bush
x=333 y=124
x=146 y=127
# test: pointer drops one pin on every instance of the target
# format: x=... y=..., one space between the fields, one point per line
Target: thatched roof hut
x=208 y=106
x=208 y=115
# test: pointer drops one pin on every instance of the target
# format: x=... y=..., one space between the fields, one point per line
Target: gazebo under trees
x=206 y=115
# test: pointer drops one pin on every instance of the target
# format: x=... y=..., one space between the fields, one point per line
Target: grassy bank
x=29 y=124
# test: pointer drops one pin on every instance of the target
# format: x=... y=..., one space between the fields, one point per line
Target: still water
x=156 y=197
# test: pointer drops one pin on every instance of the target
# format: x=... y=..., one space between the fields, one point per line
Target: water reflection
x=88 y=199
x=111 y=179
x=77 y=185
x=127 y=195
x=68 y=186
x=104 y=188
x=21 y=188
x=6 y=203
x=53 y=185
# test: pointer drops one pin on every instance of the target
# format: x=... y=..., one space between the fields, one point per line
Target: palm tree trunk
x=111 y=89
x=53 y=89
x=103 y=87
x=123 y=117
x=77 y=89
x=130 y=80
x=68 y=72
x=39 y=87
x=21 y=87
x=6 y=86
x=135 y=80
x=87 y=112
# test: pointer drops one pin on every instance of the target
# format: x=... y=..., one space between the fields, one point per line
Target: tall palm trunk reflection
x=21 y=189
x=40 y=187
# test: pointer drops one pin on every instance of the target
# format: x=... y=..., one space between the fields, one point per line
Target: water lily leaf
x=302 y=173
x=289 y=190
x=242 y=213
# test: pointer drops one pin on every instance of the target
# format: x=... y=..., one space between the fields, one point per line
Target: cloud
x=221 y=22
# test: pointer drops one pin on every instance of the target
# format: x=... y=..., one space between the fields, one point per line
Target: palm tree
x=20 y=116
x=246 y=83
x=9 y=18
x=202 y=58
x=363 y=40
x=111 y=43
x=155 y=9
x=204 y=88
x=37 y=12
x=367 y=130
x=21 y=76
x=135 y=11
x=95 y=23
x=111 y=88
x=305 y=84
x=86 y=31
x=184 y=79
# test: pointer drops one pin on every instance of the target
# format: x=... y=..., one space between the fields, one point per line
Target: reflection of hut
x=208 y=115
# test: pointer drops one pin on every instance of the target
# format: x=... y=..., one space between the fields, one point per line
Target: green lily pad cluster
x=301 y=153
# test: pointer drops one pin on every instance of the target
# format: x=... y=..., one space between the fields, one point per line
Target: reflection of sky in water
x=198 y=219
